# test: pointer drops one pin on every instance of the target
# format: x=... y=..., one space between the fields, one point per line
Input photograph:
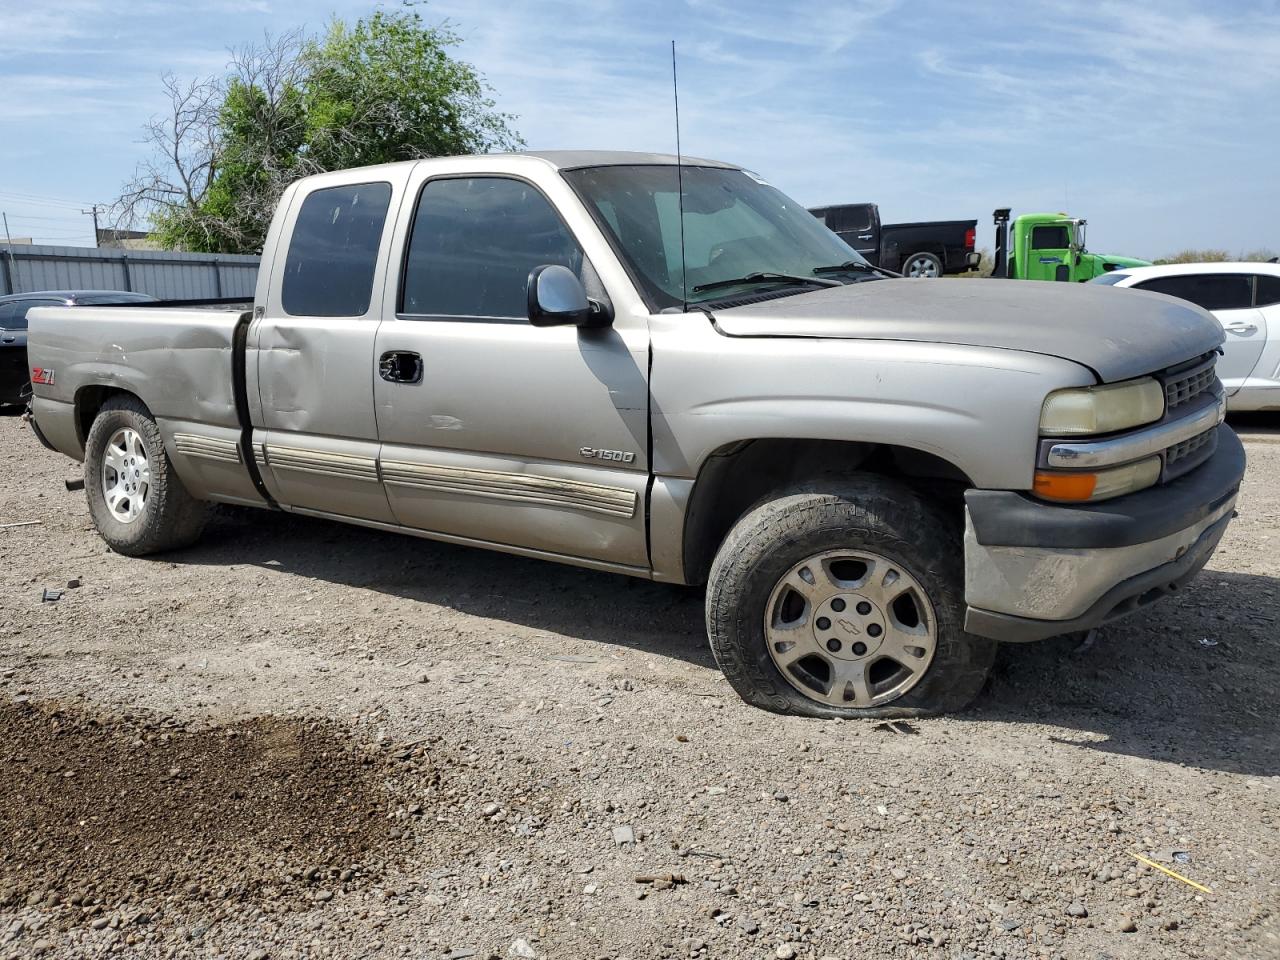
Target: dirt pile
x=100 y=814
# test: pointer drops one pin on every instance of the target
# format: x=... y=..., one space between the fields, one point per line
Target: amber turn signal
x=1065 y=486
x=1080 y=486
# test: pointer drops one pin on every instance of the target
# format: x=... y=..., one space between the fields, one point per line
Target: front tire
x=845 y=599
x=922 y=265
x=136 y=500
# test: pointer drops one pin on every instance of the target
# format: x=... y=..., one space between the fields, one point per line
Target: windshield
x=735 y=225
x=1114 y=277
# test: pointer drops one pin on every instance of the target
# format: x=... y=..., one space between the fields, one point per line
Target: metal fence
x=161 y=273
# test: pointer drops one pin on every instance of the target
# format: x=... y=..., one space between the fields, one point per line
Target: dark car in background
x=927 y=249
x=15 y=385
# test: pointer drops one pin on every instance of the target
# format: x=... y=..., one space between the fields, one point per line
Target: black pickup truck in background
x=913 y=249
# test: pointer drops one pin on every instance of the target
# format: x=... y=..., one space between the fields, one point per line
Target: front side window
x=1050 y=238
x=1213 y=291
x=735 y=225
x=475 y=241
x=334 y=250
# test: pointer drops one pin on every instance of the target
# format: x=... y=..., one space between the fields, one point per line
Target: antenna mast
x=684 y=274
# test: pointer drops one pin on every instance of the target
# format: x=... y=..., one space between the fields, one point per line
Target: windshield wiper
x=861 y=266
x=766 y=278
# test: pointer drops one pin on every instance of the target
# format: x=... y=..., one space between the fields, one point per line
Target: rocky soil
x=299 y=739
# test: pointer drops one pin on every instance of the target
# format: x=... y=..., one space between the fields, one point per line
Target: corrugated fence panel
x=161 y=273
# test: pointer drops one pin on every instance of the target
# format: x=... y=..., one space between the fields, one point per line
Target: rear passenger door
x=317 y=441
x=495 y=431
x=1229 y=296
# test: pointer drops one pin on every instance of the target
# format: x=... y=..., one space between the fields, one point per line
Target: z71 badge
x=618 y=456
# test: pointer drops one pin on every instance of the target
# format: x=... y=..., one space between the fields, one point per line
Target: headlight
x=1086 y=486
x=1104 y=409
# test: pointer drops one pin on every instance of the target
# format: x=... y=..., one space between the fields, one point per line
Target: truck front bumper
x=1036 y=570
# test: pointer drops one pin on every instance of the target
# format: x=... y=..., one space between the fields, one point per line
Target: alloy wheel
x=849 y=628
x=126 y=475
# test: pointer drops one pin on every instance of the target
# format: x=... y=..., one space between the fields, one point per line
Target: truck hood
x=1121 y=261
x=1116 y=333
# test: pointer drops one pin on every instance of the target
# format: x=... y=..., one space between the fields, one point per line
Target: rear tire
x=136 y=500
x=922 y=265
x=832 y=528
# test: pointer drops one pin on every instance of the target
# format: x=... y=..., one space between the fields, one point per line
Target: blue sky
x=1159 y=122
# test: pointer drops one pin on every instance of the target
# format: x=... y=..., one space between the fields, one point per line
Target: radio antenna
x=684 y=273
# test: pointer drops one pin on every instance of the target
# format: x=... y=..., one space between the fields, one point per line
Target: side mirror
x=557 y=298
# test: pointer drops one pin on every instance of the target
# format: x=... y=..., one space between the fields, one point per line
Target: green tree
x=387 y=89
x=381 y=90
x=261 y=134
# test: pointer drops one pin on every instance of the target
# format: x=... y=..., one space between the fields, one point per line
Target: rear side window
x=1268 y=290
x=1213 y=291
x=1050 y=238
x=475 y=241
x=855 y=217
x=334 y=250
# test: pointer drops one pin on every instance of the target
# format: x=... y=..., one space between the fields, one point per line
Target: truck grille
x=1189 y=385
x=1187 y=448
x=1184 y=386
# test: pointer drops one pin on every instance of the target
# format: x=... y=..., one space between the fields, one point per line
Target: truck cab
x=1050 y=246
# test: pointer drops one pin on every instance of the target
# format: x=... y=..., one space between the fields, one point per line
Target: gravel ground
x=300 y=739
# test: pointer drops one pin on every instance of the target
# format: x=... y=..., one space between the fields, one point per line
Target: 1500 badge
x=619 y=456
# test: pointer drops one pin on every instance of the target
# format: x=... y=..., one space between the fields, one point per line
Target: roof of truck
x=571 y=159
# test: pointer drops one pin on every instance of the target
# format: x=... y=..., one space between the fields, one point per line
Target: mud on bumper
x=1035 y=570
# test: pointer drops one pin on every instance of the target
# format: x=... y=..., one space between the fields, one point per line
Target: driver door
x=1050 y=254
x=494 y=431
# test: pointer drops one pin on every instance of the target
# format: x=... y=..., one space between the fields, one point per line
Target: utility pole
x=93 y=211
x=8 y=242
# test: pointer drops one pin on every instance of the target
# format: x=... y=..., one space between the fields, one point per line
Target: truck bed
x=181 y=358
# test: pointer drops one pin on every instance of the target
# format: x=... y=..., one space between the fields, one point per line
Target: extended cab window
x=475 y=241
x=334 y=250
x=1213 y=291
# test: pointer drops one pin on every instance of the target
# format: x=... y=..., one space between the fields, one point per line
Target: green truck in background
x=1049 y=246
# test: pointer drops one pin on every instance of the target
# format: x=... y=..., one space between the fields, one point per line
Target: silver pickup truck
x=677 y=373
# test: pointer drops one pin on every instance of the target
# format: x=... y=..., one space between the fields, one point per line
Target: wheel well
x=936 y=249
x=89 y=401
x=736 y=476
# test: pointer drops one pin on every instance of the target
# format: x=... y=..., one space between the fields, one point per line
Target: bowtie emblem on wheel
x=848 y=626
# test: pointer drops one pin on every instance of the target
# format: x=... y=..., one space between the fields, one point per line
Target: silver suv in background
x=679 y=374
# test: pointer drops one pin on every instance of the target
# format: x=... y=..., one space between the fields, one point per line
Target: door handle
x=400 y=366
x=865 y=236
x=1242 y=328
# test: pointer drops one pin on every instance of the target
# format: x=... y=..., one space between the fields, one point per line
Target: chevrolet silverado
x=673 y=372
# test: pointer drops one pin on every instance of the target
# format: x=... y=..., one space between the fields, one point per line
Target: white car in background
x=1245 y=297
